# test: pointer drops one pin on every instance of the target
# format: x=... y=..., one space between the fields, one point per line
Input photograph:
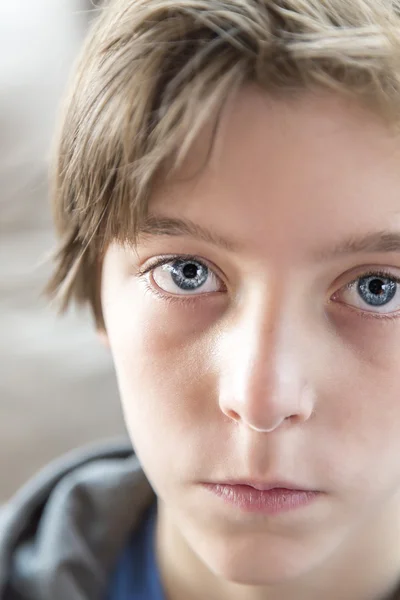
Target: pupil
x=376 y=287
x=190 y=270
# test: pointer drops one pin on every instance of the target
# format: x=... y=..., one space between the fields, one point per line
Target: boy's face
x=261 y=362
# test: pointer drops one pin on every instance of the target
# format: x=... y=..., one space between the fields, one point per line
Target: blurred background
x=57 y=387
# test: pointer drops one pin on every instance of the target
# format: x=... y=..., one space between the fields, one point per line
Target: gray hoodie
x=61 y=535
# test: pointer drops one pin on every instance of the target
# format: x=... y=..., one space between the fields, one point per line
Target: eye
x=373 y=292
x=183 y=276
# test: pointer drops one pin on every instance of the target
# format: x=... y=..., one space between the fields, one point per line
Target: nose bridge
x=265 y=380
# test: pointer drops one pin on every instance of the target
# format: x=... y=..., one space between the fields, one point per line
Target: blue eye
x=188 y=275
x=376 y=290
x=182 y=276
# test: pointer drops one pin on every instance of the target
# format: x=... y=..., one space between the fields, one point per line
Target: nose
x=264 y=380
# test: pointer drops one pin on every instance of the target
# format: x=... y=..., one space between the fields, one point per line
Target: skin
x=273 y=369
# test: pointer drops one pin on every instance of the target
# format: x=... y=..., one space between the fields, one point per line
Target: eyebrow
x=159 y=225
x=383 y=241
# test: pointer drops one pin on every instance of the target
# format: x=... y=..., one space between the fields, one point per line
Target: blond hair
x=152 y=72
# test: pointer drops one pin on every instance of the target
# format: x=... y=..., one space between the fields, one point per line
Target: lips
x=263 y=497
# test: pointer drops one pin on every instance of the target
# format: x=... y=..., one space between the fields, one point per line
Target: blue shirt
x=136 y=576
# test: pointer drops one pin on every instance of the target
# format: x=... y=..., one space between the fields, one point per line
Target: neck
x=367 y=568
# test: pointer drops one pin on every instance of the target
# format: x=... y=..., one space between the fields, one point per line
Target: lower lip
x=270 y=502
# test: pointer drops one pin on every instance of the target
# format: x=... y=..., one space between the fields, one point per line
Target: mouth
x=263 y=497
x=265 y=486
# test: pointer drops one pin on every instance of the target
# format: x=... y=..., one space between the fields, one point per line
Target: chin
x=266 y=562
x=248 y=571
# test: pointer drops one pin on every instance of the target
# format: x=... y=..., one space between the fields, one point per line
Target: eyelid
x=354 y=274
x=158 y=261
x=187 y=299
x=378 y=272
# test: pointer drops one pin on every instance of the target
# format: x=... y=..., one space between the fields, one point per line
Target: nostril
x=233 y=415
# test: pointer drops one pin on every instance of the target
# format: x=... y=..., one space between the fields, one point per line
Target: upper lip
x=264 y=485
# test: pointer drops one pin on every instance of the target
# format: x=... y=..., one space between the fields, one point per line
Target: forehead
x=306 y=171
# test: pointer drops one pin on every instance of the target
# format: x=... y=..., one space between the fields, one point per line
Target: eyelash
x=379 y=273
x=191 y=300
x=185 y=300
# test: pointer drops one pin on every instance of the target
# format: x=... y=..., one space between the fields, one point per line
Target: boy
x=227 y=195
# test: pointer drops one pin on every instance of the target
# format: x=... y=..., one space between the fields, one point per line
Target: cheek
x=162 y=357
x=165 y=386
x=360 y=410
